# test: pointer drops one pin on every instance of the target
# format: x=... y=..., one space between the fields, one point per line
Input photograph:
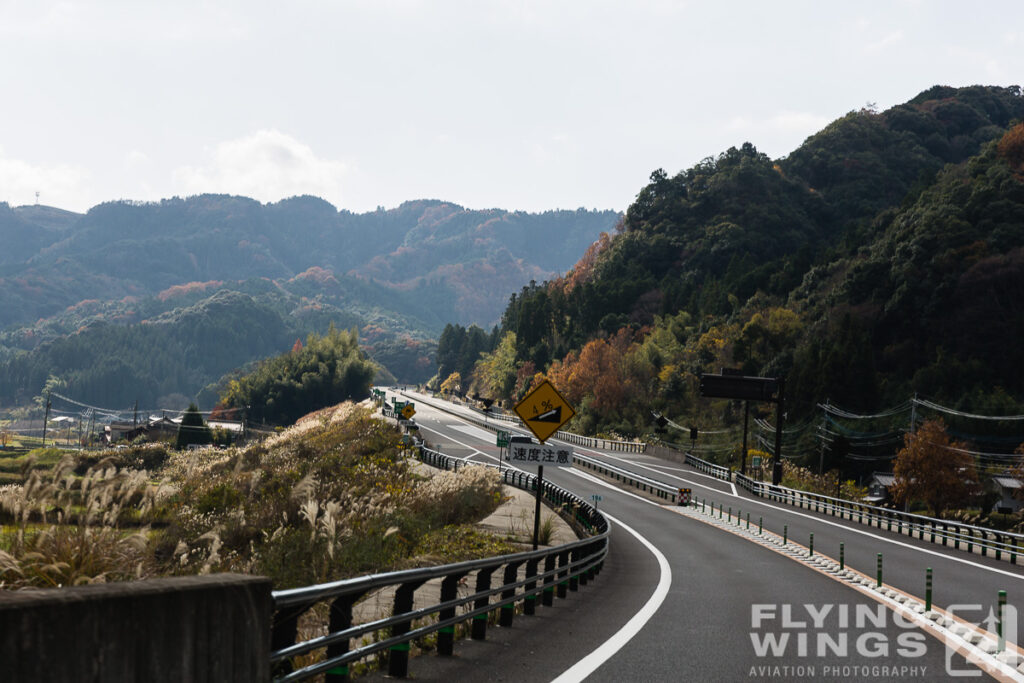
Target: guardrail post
x=928 y=590
x=548 y=595
x=563 y=574
x=999 y=546
x=398 y=655
x=283 y=634
x=446 y=635
x=574 y=582
x=508 y=606
x=879 y=583
x=483 y=583
x=340 y=619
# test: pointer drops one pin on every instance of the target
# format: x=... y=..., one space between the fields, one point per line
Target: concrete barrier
x=195 y=628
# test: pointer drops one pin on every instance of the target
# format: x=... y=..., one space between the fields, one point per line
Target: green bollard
x=810 y=548
x=748 y=521
x=785 y=533
x=702 y=502
x=729 y=518
x=760 y=525
x=879 y=583
x=842 y=556
x=928 y=590
x=999 y=624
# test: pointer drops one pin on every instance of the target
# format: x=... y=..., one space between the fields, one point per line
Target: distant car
x=521 y=438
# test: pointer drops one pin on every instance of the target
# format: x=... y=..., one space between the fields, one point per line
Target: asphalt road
x=680 y=599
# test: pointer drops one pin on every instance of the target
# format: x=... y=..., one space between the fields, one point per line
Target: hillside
x=103 y=299
x=881 y=258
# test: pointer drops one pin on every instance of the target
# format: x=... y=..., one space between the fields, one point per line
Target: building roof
x=885 y=480
x=1007 y=482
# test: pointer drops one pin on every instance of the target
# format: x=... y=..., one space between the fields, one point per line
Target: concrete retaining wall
x=201 y=628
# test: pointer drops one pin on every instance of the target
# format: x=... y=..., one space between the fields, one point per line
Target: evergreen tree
x=193 y=429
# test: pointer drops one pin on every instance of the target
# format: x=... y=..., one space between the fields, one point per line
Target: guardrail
x=547 y=573
x=716 y=471
x=944 y=531
x=652 y=486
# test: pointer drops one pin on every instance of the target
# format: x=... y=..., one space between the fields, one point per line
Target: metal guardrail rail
x=944 y=531
x=549 y=572
x=716 y=471
x=665 y=492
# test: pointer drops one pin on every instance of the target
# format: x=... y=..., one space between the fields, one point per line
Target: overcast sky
x=486 y=103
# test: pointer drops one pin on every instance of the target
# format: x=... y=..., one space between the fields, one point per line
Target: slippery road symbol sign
x=544 y=411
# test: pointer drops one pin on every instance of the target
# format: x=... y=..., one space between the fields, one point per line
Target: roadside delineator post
x=760 y=525
x=879 y=582
x=785 y=533
x=810 y=548
x=999 y=624
x=842 y=556
x=928 y=590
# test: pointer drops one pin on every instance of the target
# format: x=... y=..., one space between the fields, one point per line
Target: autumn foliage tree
x=934 y=468
x=1011 y=147
x=452 y=384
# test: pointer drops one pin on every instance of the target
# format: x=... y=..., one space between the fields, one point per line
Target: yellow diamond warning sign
x=408 y=411
x=544 y=411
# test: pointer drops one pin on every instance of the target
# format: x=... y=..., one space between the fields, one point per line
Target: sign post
x=502 y=444
x=768 y=389
x=543 y=411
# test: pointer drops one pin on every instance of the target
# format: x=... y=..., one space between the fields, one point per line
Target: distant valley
x=149 y=301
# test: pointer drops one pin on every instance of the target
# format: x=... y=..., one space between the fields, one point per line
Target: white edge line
x=606 y=650
x=824 y=520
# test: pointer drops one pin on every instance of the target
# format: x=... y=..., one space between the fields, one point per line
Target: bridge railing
x=526 y=577
x=947 y=532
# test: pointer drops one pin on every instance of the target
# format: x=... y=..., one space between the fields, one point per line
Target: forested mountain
x=883 y=257
x=143 y=300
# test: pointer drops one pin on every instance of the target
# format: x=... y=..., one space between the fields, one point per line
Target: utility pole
x=46 y=418
x=821 y=451
x=746 y=419
x=777 y=464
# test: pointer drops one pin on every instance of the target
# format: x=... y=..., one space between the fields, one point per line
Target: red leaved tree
x=934 y=468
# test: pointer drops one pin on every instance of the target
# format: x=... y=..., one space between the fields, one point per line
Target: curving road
x=681 y=599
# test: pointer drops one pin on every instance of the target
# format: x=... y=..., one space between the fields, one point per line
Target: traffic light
x=693 y=433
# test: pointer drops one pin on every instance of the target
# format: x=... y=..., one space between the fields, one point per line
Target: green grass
x=12 y=460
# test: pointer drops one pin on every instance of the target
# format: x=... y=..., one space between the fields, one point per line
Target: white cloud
x=267 y=165
x=60 y=185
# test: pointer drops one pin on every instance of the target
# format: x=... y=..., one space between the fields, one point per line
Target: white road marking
x=474 y=432
x=606 y=650
x=821 y=520
x=788 y=511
